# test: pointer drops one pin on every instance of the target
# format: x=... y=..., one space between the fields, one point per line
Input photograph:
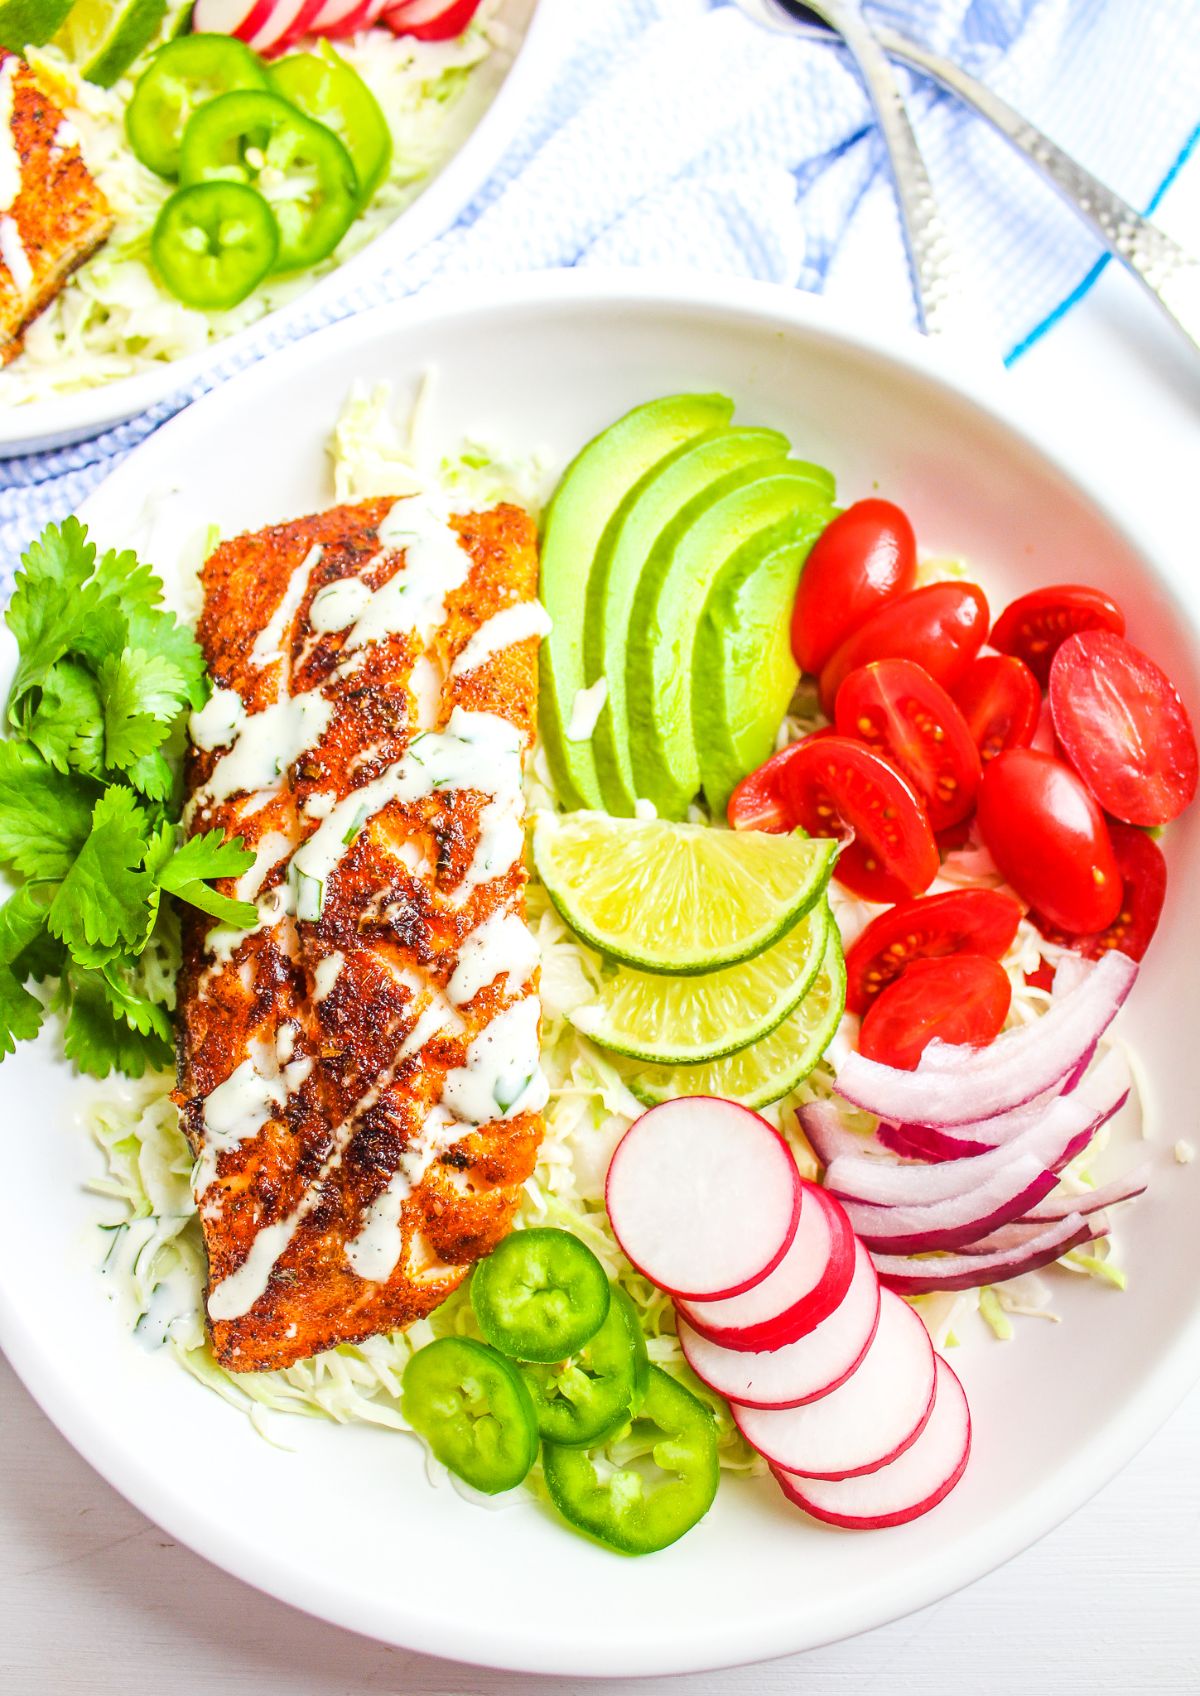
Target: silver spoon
x=1166 y=270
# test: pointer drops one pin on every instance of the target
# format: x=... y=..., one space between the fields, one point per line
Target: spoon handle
x=930 y=254
x=1168 y=271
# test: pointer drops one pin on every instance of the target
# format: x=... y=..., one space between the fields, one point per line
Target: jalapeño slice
x=655 y=1483
x=540 y=1296
x=182 y=76
x=588 y=1398
x=324 y=87
x=212 y=244
x=471 y=1407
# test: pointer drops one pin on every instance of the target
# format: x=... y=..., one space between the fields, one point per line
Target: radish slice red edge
x=802 y=1291
x=242 y=18
x=704 y=1197
x=866 y=1422
x=797 y=1372
x=905 y=1488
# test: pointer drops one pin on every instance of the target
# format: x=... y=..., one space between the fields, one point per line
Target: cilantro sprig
x=89 y=804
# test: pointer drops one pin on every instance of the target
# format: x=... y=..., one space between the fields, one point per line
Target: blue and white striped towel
x=676 y=130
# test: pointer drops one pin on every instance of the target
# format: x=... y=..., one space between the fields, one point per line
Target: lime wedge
x=684 y=1021
x=30 y=23
x=771 y=1067
x=104 y=39
x=678 y=898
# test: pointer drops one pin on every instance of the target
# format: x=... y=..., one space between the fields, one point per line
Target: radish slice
x=913 y=1275
x=704 y=1197
x=906 y=1487
x=431 y=20
x=288 y=21
x=242 y=18
x=341 y=17
x=953 y=1085
x=868 y=1420
x=798 y=1372
x=804 y=1289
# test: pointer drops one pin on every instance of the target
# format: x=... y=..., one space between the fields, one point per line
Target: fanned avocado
x=624 y=548
x=760 y=506
x=744 y=673
x=593 y=487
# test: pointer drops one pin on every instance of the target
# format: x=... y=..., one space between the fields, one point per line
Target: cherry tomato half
x=1049 y=839
x=1120 y=722
x=958 y=921
x=1034 y=626
x=1144 y=879
x=941 y=627
x=895 y=707
x=964 y=998
x=1001 y=702
x=835 y=787
x=758 y=803
x=867 y=556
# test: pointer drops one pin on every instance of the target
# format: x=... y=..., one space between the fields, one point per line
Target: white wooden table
x=96 y=1601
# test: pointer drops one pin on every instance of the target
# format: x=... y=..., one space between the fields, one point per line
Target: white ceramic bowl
x=345 y=1525
x=537 y=27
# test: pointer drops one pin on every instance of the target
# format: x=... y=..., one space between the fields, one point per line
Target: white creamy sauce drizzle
x=502 y=1076
x=320 y=804
x=273 y=848
x=501 y=841
x=585 y=711
x=425 y=683
x=413 y=600
x=254 y=1092
x=266 y=745
x=502 y=944
x=218 y=721
x=11 y=249
x=475 y=751
x=327 y=973
x=517 y=623
x=268 y=644
x=222 y=941
x=375 y=1252
x=438 y=1019
x=66 y=135
x=338 y=604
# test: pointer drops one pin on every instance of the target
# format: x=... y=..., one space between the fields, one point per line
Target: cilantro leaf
x=21 y=1013
x=123 y=577
x=45 y=816
x=22 y=920
x=151 y=776
x=49 y=605
x=141 y=693
x=97 y=1039
x=204 y=857
x=67 y=725
x=141 y=1014
x=106 y=903
x=158 y=631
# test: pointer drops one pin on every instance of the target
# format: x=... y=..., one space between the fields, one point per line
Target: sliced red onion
x=959 y=1218
x=918 y=1142
x=957 y=1086
x=1056 y=1134
x=1059 y=1205
x=1022 y=1232
x=825 y=1130
x=910 y=1275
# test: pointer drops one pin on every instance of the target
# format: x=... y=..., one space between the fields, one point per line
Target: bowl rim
x=61 y=420
x=727 y=1643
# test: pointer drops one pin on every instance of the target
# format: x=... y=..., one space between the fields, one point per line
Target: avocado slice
x=744 y=675
x=624 y=549
x=762 y=504
x=592 y=488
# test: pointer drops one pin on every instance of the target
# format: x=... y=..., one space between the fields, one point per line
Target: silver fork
x=1166 y=270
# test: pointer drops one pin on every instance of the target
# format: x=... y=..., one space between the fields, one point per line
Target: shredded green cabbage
x=113 y=318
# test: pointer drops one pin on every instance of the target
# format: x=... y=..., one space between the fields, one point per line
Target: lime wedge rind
x=771 y=1068
x=677 y=899
x=104 y=40
x=725 y=1011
